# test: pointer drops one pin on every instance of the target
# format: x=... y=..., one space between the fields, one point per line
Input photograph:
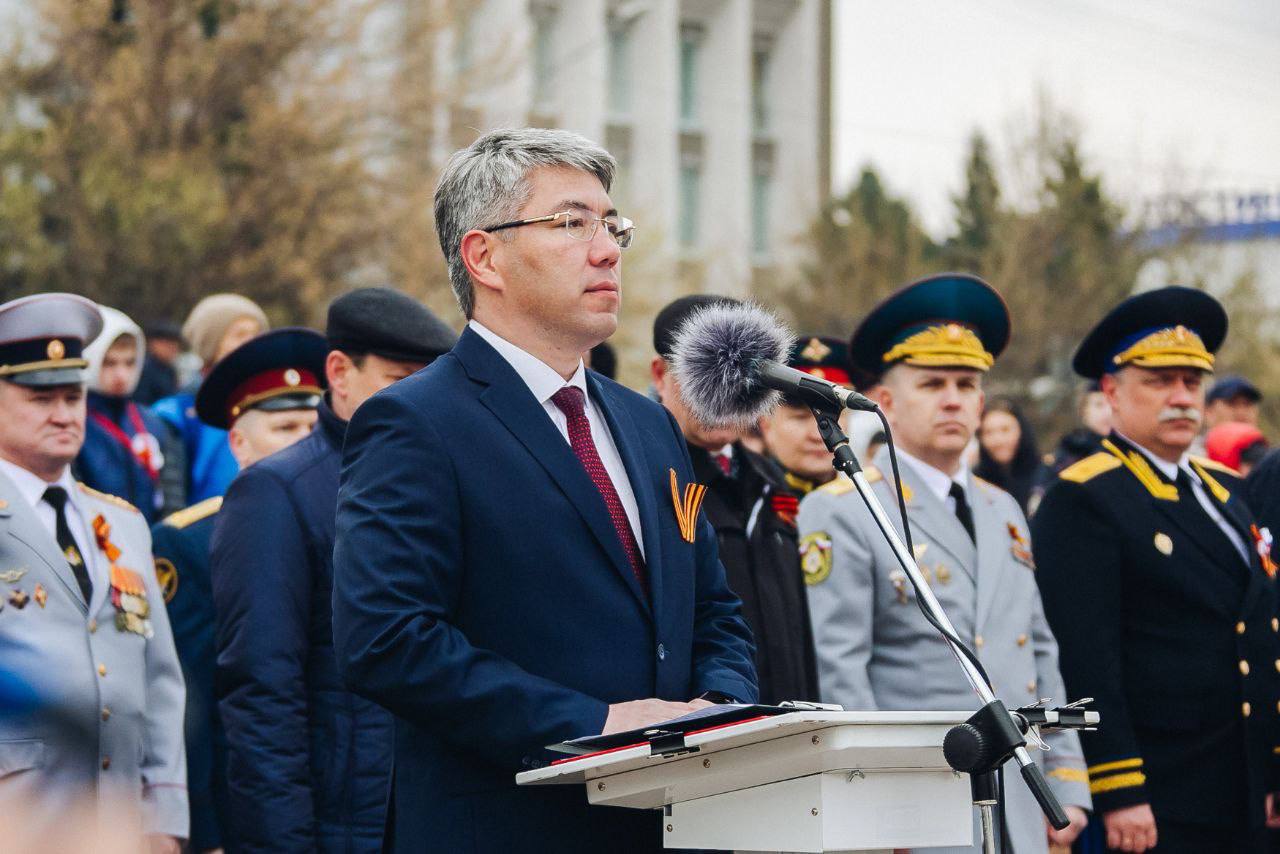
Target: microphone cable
x=906 y=536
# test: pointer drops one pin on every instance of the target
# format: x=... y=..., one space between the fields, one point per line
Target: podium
x=810 y=781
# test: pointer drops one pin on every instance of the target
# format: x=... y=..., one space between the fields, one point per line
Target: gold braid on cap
x=1175 y=347
x=949 y=346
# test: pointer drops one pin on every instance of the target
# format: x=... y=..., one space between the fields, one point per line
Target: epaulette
x=190 y=515
x=1205 y=462
x=1089 y=467
x=874 y=475
x=839 y=486
x=110 y=499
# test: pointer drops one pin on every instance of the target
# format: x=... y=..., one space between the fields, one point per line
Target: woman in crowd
x=1007 y=454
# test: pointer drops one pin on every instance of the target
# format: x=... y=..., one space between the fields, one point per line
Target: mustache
x=1177 y=413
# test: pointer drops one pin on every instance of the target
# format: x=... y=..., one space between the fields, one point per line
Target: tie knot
x=57 y=497
x=569 y=400
x=957 y=492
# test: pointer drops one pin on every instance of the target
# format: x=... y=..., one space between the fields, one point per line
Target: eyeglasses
x=581 y=226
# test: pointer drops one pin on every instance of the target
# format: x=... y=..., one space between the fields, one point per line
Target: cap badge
x=955 y=333
x=56 y=349
x=292 y=377
x=815 y=350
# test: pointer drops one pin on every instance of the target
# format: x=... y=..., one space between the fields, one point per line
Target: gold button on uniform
x=1240 y=628
x=1244 y=667
x=1022 y=640
x=1031 y=686
x=93 y=626
x=102 y=670
x=106 y=713
x=978 y=641
x=1246 y=709
x=106 y=762
x=1278 y=664
x=1275 y=624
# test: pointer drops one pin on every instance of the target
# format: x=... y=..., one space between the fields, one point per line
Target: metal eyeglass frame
x=623 y=235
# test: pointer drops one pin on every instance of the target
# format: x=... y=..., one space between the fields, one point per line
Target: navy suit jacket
x=482 y=595
x=308 y=763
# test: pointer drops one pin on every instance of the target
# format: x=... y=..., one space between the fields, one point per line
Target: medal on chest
x=1262 y=542
x=128 y=592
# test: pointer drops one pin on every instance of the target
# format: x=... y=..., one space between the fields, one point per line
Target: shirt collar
x=31 y=486
x=1168 y=469
x=935 y=480
x=541 y=378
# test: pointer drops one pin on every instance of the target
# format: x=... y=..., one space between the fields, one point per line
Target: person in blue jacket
x=512 y=565
x=127 y=450
x=217 y=325
x=267 y=393
x=309 y=762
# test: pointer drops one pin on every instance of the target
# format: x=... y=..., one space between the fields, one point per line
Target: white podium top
x=873 y=728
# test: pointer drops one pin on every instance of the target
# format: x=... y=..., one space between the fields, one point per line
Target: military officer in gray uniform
x=929 y=344
x=82 y=622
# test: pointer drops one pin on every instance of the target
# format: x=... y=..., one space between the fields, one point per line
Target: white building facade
x=718 y=112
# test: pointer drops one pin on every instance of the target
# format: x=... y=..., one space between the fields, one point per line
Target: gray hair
x=486 y=184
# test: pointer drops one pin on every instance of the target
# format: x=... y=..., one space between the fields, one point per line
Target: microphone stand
x=981 y=745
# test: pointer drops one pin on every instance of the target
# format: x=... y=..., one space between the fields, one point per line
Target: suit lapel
x=631 y=448
x=994 y=543
x=509 y=399
x=25 y=527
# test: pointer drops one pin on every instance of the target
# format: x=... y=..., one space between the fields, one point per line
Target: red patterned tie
x=570 y=401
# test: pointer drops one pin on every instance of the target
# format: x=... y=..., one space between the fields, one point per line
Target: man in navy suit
x=515 y=563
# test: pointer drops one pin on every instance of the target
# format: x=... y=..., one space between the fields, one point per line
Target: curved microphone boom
x=730 y=362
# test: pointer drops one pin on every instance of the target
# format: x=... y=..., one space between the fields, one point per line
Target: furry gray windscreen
x=715 y=357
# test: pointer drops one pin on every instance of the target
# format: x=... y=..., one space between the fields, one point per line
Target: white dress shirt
x=936 y=481
x=1170 y=470
x=544 y=382
x=31 y=487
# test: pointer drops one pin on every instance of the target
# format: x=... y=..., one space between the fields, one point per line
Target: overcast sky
x=1170 y=94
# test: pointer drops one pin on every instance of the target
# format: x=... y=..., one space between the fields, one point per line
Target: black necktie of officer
x=963 y=511
x=57 y=498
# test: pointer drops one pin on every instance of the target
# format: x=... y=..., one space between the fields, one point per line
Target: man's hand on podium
x=1131 y=829
x=642 y=713
x=1079 y=818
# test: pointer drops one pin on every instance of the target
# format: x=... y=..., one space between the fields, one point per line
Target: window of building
x=761 y=193
x=690 y=56
x=690 y=204
x=544 y=19
x=761 y=60
x=620 y=61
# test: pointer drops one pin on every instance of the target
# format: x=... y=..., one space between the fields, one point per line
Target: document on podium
x=710 y=717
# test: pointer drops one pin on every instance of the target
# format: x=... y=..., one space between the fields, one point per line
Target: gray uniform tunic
x=876 y=651
x=107 y=722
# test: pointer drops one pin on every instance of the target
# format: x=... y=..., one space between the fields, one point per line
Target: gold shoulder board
x=194 y=513
x=839 y=486
x=1214 y=465
x=110 y=499
x=1090 y=467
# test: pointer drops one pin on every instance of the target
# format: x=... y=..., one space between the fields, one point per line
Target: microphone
x=730 y=362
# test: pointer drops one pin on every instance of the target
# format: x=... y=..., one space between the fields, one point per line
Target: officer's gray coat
x=121 y=691
x=876 y=651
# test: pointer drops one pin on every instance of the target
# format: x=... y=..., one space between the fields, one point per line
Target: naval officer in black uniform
x=1160 y=588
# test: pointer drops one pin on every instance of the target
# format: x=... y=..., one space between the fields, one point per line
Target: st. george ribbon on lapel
x=687 y=505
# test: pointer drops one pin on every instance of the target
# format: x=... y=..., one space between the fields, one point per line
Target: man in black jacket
x=308 y=762
x=753 y=512
x=1160 y=587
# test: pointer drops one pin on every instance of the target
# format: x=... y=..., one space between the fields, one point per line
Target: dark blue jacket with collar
x=482 y=594
x=308 y=761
